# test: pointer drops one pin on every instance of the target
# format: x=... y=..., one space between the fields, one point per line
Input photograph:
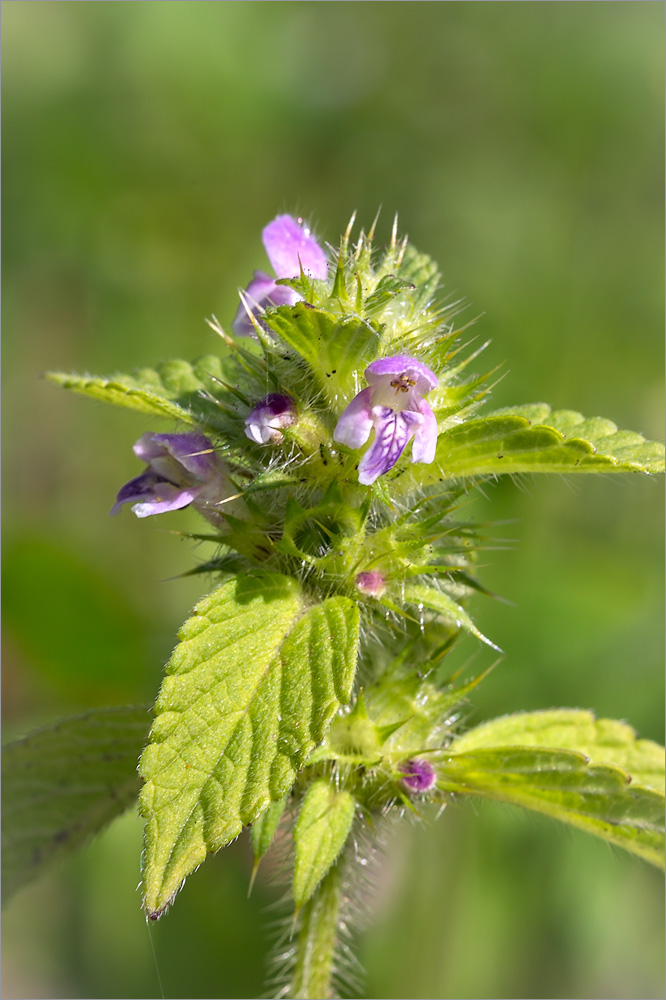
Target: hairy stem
x=317 y=940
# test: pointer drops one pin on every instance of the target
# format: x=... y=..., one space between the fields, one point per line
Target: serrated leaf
x=604 y=741
x=62 y=784
x=320 y=833
x=533 y=439
x=564 y=785
x=175 y=389
x=250 y=690
x=333 y=347
x=264 y=827
x=427 y=597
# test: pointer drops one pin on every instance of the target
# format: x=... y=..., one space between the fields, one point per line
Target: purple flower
x=418 y=775
x=394 y=406
x=372 y=583
x=290 y=246
x=182 y=469
x=264 y=425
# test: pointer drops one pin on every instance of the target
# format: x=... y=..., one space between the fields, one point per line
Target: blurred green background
x=146 y=144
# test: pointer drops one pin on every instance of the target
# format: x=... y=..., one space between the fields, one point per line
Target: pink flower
x=290 y=247
x=182 y=469
x=394 y=406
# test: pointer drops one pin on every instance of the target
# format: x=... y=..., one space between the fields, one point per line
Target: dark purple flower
x=182 y=469
x=394 y=406
x=372 y=583
x=418 y=775
x=290 y=247
x=267 y=420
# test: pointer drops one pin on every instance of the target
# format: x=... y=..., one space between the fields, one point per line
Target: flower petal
x=392 y=432
x=355 y=423
x=170 y=498
x=265 y=423
x=400 y=364
x=290 y=247
x=260 y=294
x=425 y=435
x=154 y=494
x=146 y=449
x=193 y=451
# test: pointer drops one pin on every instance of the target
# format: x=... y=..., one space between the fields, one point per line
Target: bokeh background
x=146 y=144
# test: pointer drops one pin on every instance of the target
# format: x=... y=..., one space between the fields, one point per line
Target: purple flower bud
x=418 y=775
x=371 y=583
x=264 y=425
x=290 y=247
x=394 y=406
x=182 y=469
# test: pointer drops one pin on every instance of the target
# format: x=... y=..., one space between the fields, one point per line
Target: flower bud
x=372 y=583
x=264 y=425
x=418 y=775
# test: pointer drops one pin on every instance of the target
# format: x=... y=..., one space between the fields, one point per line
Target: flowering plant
x=329 y=446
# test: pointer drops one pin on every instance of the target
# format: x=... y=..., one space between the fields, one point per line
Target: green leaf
x=436 y=600
x=413 y=697
x=387 y=289
x=62 y=784
x=320 y=833
x=564 y=785
x=603 y=741
x=175 y=389
x=250 y=690
x=532 y=439
x=333 y=347
x=264 y=827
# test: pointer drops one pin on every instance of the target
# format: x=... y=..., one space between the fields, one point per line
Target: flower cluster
x=183 y=469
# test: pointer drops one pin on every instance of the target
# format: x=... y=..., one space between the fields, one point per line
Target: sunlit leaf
x=333 y=347
x=603 y=741
x=250 y=690
x=428 y=597
x=321 y=830
x=564 y=785
x=534 y=439
x=175 y=389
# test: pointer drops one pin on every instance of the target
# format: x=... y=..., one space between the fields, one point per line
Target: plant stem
x=317 y=940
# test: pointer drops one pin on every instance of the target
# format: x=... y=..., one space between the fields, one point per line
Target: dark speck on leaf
x=61 y=836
